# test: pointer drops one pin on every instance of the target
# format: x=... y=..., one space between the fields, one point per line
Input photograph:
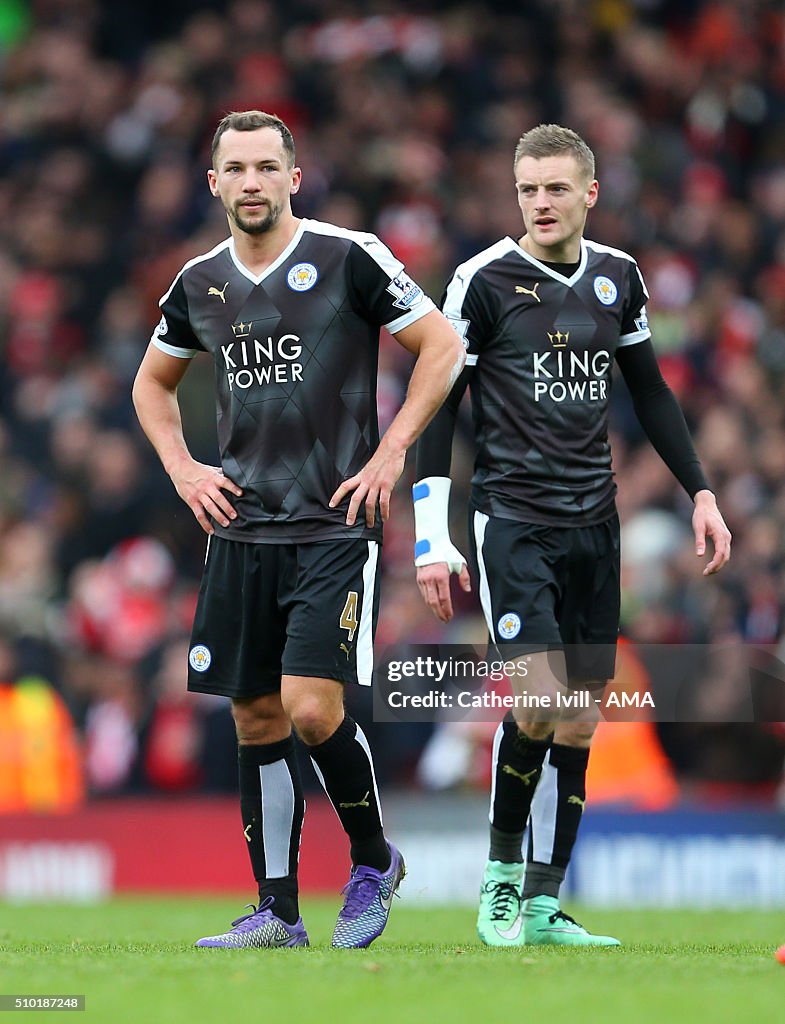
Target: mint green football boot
x=499 y=921
x=544 y=924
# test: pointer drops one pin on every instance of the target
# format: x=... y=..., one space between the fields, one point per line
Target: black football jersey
x=542 y=346
x=295 y=352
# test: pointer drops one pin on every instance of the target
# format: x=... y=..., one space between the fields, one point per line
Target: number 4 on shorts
x=348 y=620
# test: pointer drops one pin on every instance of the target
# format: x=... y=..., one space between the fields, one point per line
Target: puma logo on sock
x=360 y=803
x=525 y=777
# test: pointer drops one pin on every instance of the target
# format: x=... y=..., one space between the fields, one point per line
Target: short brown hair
x=553 y=140
x=249 y=121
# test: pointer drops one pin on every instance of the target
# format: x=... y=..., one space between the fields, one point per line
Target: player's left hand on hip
x=707 y=521
x=374 y=483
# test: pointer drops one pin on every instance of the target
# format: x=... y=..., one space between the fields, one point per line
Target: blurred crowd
x=405 y=117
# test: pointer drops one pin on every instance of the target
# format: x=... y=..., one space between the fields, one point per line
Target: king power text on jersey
x=578 y=376
x=263 y=361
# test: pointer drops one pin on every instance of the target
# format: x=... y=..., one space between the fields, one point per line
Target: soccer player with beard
x=290 y=309
x=543 y=319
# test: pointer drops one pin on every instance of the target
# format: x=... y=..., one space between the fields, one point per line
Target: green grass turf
x=134 y=961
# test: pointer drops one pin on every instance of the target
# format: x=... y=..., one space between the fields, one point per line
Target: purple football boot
x=259 y=930
x=366 y=907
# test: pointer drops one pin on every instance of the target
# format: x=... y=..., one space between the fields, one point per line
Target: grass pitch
x=134 y=961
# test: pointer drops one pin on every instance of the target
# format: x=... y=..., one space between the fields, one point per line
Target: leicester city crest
x=509 y=625
x=302 y=276
x=200 y=658
x=605 y=290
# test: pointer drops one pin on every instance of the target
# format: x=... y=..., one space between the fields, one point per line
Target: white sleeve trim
x=425 y=305
x=171 y=350
x=633 y=339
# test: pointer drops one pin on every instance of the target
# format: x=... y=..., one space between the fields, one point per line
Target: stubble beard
x=256 y=227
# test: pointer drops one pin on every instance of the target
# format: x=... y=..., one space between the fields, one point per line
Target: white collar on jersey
x=276 y=262
x=552 y=273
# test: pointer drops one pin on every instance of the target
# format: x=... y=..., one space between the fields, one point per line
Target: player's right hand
x=434 y=583
x=202 y=489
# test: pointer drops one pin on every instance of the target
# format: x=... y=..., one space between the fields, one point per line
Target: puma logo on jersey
x=520 y=290
x=359 y=803
x=220 y=293
x=576 y=800
x=525 y=777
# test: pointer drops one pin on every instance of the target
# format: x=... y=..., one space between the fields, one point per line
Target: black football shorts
x=267 y=610
x=550 y=588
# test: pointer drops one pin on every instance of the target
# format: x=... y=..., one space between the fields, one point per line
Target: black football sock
x=555 y=819
x=345 y=769
x=272 y=806
x=515 y=771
